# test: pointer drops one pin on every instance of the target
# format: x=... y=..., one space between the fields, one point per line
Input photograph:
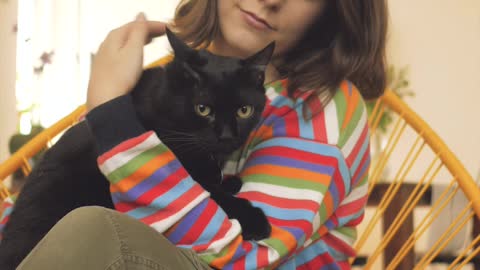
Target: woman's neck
x=220 y=48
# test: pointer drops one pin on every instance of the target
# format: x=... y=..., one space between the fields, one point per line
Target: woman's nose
x=273 y=4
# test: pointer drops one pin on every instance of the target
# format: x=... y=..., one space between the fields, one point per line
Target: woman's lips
x=256 y=22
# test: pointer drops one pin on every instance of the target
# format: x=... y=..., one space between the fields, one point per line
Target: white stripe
x=345 y=238
x=331 y=122
x=283 y=192
x=124 y=157
x=271 y=93
x=163 y=225
x=273 y=254
x=353 y=140
x=218 y=245
x=308 y=242
x=356 y=194
x=316 y=222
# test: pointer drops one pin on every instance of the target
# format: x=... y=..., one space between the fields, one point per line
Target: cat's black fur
x=165 y=98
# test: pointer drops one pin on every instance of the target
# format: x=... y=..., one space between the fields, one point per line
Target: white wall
x=8 y=117
x=440 y=41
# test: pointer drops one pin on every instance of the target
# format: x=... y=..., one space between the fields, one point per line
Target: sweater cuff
x=113 y=123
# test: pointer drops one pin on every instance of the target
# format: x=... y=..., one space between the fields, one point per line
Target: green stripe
x=323 y=211
x=348 y=231
x=136 y=163
x=341 y=106
x=278 y=245
x=295 y=183
x=208 y=258
x=351 y=126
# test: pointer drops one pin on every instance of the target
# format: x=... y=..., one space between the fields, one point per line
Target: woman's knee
x=86 y=216
x=87 y=222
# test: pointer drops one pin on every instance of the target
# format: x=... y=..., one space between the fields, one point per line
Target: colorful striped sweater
x=309 y=177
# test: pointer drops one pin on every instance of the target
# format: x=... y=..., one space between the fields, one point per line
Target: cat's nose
x=226 y=133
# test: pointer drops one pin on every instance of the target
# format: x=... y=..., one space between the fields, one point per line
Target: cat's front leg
x=232 y=184
x=254 y=222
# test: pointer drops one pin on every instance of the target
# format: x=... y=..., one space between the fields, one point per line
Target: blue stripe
x=296 y=232
x=282 y=213
x=311 y=147
x=363 y=170
x=163 y=201
x=359 y=156
x=149 y=183
x=251 y=258
x=282 y=101
x=289 y=162
x=305 y=127
x=311 y=252
x=289 y=265
x=349 y=88
x=334 y=191
x=279 y=127
x=212 y=227
x=186 y=223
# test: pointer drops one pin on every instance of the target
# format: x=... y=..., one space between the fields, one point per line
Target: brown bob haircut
x=346 y=42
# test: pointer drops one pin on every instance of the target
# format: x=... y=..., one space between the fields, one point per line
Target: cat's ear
x=262 y=58
x=180 y=49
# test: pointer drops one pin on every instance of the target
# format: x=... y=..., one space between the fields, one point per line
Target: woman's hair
x=346 y=42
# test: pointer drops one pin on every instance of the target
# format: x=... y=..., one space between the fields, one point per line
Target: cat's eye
x=245 y=111
x=203 y=110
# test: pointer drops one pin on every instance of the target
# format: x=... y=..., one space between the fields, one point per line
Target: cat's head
x=213 y=102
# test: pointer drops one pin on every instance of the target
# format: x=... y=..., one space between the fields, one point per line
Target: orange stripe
x=280 y=171
x=265 y=132
x=144 y=171
x=232 y=248
x=287 y=238
x=352 y=103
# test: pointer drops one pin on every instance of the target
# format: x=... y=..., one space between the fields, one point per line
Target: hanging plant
x=398 y=82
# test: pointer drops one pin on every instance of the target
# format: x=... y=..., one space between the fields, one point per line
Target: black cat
x=202 y=106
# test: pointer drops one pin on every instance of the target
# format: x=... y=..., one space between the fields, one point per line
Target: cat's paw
x=254 y=222
x=232 y=184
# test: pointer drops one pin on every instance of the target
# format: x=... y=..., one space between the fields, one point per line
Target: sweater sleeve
x=289 y=177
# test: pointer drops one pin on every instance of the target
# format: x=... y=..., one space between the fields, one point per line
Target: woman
x=307 y=168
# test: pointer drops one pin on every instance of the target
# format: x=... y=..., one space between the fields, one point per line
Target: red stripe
x=352 y=207
x=291 y=124
x=356 y=177
x=124 y=146
x=340 y=246
x=262 y=256
x=279 y=202
x=201 y=223
x=5 y=220
x=175 y=206
x=339 y=183
x=163 y=186
x=126 y=206
x=224 y=229
x=318 y=262
x=356 y=149
x=318 y=121
x=283 y=151
x=239 y=264
x=304 y=225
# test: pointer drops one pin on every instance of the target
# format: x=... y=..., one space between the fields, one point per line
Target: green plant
x=398 y=82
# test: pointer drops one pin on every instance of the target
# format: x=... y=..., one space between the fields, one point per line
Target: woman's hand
x=118 y=64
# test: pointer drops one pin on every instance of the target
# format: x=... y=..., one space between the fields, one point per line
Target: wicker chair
x=413 y=152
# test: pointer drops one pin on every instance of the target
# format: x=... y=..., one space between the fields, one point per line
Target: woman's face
x=249 y=25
